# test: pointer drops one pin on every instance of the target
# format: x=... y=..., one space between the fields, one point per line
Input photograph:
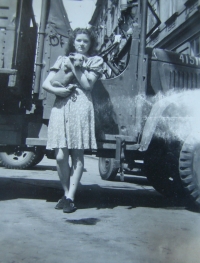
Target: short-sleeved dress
x=71 y=122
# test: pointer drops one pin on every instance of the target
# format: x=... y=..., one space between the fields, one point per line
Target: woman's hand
x=58 y=91
x=85 y=78
x=65 y=92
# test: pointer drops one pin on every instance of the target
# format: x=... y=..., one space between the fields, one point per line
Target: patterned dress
x=71 y=122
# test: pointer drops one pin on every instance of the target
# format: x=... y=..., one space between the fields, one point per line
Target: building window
x=184 y=49
x=195 y=47
x=151 y=20
x=156 y=6
x=172 y=7
x=168 y=8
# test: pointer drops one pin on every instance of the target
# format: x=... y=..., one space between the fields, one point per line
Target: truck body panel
x=21 y=79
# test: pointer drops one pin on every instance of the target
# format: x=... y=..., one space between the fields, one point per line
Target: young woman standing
x=71 y=125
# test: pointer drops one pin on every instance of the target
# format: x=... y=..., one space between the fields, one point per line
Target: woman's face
x=82 y=43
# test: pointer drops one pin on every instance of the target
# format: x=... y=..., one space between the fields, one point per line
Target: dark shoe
x=60 y=203
x=69 y=206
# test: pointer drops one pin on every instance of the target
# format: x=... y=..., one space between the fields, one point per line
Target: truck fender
x=153 y=119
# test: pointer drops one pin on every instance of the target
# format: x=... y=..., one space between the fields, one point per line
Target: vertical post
x=142 y=46
x=41 y=33
x=142 y=60
x=18 y=32
x=119 y=155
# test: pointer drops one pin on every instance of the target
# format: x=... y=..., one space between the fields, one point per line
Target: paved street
x=115 y=222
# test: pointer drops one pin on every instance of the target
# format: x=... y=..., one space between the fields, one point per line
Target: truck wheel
x=107 y=169
x=161 y=166
x=20 y=159
x=189 y=168
x=39 y=156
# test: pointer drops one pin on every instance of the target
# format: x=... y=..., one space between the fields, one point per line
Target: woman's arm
x=62 y=92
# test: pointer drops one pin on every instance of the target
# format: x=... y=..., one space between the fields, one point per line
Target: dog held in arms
x=65 y=76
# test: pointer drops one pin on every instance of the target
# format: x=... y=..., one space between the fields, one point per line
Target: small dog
x=65 y=76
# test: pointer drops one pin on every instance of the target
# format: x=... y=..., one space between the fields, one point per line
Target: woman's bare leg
x=63 y=168
x=76 y=172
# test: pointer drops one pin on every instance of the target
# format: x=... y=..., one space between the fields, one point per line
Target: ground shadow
x=139 y=180
x=43 y=168
x=88 y=196
x=46 y=168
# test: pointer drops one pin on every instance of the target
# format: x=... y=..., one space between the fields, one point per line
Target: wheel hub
x=18 y=156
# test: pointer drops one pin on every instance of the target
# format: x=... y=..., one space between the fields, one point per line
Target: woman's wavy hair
x=92 y=36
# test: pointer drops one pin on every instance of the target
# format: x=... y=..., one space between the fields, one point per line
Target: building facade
x=178 y=30
x=105 y=19
x=180 y=26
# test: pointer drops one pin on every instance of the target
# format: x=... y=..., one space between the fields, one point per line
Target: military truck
x=27 y=52
x=145 y=104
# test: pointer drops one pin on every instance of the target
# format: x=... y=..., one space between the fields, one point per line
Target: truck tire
x=189 y=168
x=39 y=156
x=161 y=167
x=20 y=159
x=107 y=169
